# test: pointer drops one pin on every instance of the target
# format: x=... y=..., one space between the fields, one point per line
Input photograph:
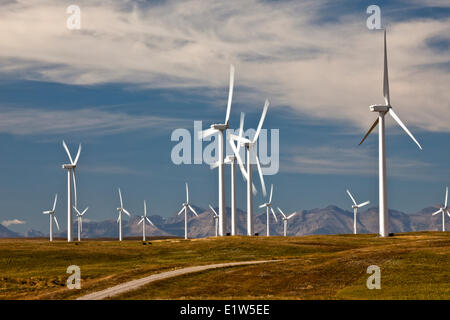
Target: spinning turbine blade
x=363 y=204
x=239 y=160
x=396 y=118
x=261 y=177
x=187 y=193
x=67 y=151
x=149 y=221
x=386 y=76
x=370 y=130
x=213 y=210
x=127 y=213
x=56 y=221
x=291 y=215
x=353 y=199
x=78 y=154
x=446 y=197
x=230 y=94
x=206 y=133
x=74 y=186
x=261 y=121
x=271 y=192
x=282 y=213
x=192 y=209
x=54 y=203
x=120 y=196
x=274 y=215
x=435 y=213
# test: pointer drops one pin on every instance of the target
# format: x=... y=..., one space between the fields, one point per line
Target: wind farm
x=172 y=92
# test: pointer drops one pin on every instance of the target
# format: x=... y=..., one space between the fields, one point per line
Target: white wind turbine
x=121 y=210
x=70 y=173
x=443 y=210
x=80 y=221
x=51 y=214
x=143 y=220
x=219 y=129
x=285 y=220
x=268 y=206
x=355 y=207
x=380 y=121
x=216 y=217
x=185 y=208
x=247 y=174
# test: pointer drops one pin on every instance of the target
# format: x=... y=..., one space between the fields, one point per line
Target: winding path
x=134 y=284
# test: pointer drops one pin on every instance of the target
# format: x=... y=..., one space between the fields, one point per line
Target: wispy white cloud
x=329 y=71
x=7 y=223
x=25 y=121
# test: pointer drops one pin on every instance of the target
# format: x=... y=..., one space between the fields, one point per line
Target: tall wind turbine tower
x=443 y=210
x=269 y=209
x=219 y=129
x=186 y=207
x=380 y=121
x=51 y=214
x=249 y=146
x=70 y=173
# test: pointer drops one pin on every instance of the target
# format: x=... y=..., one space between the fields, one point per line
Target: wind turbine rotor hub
x=220 y=126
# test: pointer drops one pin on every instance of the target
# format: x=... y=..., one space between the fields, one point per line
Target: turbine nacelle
x=379 y=108
x=68 y=166
x=220 y=126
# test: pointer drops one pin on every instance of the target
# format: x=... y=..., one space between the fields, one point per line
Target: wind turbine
x=380 y=121
x=443 y=210
x=355 y=207
x=285 y=219
x=268 y=206
x=185 y=208
x=143 y=219
x=80 y=221
x=70 y=173
x=249 y=145
x=219 y=129
x=121 y=210
x=216 y=217
x=51 y=214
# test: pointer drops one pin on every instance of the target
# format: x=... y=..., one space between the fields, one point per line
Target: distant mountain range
x=329 y=220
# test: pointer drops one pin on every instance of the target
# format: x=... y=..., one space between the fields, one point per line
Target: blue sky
x=136 y=72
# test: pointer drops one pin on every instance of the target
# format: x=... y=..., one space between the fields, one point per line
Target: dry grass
x=414 y=266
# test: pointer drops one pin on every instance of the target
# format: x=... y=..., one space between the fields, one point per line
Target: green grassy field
x=413 y=266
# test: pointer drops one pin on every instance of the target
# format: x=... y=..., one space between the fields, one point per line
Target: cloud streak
x=7 y=223
x=330 y=71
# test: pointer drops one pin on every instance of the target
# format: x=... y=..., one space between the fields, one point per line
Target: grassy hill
x=413 y=266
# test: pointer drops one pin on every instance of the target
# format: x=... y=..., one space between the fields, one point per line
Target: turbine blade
x=446 y=197
x=78 y=154
x=353 y=199
x=78 y=212
x=192 y=209
x=262 y=206
x=120 y=196
x=385 y=75
x=363 y=204
x=396 y=118
x=241 y=125
x=140 y=221
x=67 y=151
x=56 y=221
x=239 y=139
x=271 y=192
x=149 y=221
x=274 y=215
x=291 y=215
x=54 y=202
x=261 y=121
x=230 y=94
x=74 y=186
x=370 y=130
x=187 y=193
x=448 y=212
x=239 y=160
x=127 y=212
x=282 y=213
x=435 y=213
x=261 y=177
x=206 y=133
x=179 y=212
x=84 y=211
x=119 y=218
x=145 y=208
x=214 y=211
